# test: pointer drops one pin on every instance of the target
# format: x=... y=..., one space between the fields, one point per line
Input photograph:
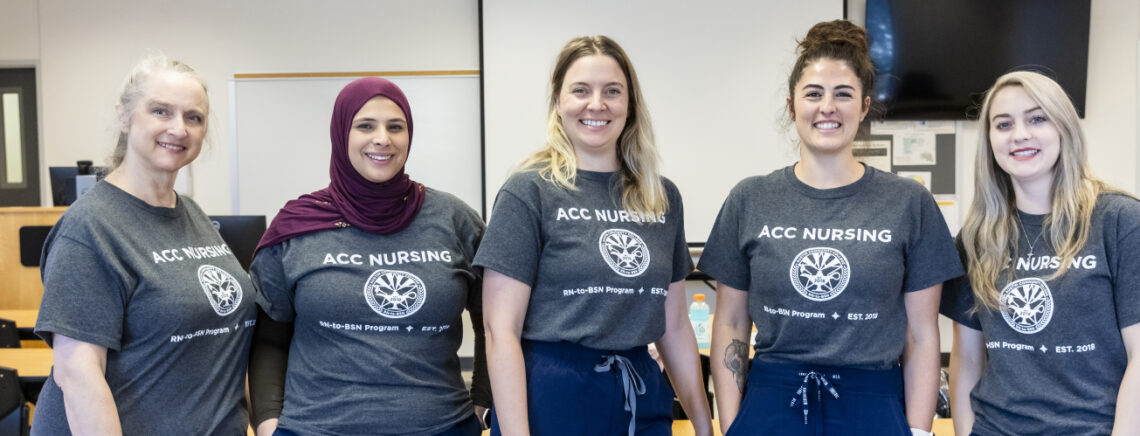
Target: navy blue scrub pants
x=803 y=400
x=574 y=390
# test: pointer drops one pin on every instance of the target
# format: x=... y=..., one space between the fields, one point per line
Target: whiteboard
x=281 y=146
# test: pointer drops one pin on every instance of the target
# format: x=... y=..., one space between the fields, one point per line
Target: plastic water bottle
x=699 y=316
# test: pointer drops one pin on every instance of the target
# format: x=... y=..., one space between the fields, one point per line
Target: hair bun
x=831 y=35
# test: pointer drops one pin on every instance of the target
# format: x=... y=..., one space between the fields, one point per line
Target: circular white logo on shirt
x=1027 y=305
x=820 y=273
x=394 y=294
x=624 y=252
x=221 y=288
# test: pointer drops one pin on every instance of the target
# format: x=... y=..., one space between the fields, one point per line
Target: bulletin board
x=918 y=150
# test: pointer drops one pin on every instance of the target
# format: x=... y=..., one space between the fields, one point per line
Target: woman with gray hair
x=146 y=308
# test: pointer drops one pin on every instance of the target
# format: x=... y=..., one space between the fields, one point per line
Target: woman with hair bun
x=1051 y=258
x=839 y=265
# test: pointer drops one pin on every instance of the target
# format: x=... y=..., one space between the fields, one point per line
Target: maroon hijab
x=350 y=199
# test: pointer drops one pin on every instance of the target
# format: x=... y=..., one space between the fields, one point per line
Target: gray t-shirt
x=1054 y=355
x=598 y=274
x=826 y=269
x=376 y=322
x=160 y=289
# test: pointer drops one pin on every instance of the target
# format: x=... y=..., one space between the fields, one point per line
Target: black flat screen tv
x=935 y=58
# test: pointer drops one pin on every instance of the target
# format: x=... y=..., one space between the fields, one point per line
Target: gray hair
x=132 y=92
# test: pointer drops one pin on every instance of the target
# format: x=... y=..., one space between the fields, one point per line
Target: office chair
x=942 y=408
x=9 y=335
x=13 y=409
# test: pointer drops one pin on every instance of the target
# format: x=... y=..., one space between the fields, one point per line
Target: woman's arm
x=678 y=349
x=1128 y=399
x=729 y=353
x=921 y=359
x=268 y=358
x=966 y=359
x=79 y=368
x=505 y=301
x=480 y=383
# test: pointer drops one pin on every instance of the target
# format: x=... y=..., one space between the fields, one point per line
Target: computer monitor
x=62 y=185
x=241 y=233
x=63 y=191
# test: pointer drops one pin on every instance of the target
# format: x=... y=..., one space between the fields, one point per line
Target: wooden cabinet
x=20 y=286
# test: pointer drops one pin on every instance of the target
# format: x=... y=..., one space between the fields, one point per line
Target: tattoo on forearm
x=736 y=360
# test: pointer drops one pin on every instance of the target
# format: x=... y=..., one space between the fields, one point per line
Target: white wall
x=1111 y=103
x=87 y=47
x=19 y=35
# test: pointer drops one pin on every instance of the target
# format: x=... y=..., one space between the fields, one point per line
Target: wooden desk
x=943 y=427
x=24 y=318
x=33 y=364
x=685 y=428
x=21 y=285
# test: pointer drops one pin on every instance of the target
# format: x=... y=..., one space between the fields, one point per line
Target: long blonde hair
x=642 y=189
x=991 y=228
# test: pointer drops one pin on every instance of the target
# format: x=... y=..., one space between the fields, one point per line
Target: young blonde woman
x=1045 y=331
x=584 y=263
x=839 y=265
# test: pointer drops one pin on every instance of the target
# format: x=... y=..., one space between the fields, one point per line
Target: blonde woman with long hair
x=585 y=261
x=1046 y=319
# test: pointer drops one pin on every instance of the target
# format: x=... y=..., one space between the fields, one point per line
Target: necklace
x=1024 y=233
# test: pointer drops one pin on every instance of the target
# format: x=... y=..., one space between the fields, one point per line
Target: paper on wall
x=948 y=204
x=922 y=177
x=874 y=153
x=895 y=127
x=914 y=148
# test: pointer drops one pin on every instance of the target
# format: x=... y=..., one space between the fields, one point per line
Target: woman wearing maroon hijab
x=362 y=286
